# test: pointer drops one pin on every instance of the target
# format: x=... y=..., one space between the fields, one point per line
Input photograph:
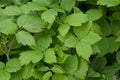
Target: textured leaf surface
x=49 y=16
x=76 y=19
x=7 y=27
x=84 y=50
x=71 y=64
x=28 y=56
x=13 y=65
x=65 y=4
x=59 y=77
x=50 y=56
x=4 y=75
x=25 y=38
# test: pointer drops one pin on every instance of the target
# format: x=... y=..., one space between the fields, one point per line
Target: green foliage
x=59 y=39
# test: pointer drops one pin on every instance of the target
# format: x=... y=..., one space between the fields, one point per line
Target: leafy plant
x=59 y=39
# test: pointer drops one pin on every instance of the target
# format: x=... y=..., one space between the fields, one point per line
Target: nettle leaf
x=108 y=3
x=49 y=16
x=84 y=50
x=32 y=6
x=25 y=38
x=28 y=56
x=76 y=19
x=50 y=56
x=4 y=75
x=63 y=29
x=16 y=76
x=7 y=26
x=71 y=41
x=31 y=23
x=118 y=57
x=83 y=30
x=47 y=76
x=67 y=4
x=70 y=65
x=13 y=65
x=42 y=2
x=94 y=14
x=59 y=77
x=2 y=65
x=44 y=42
x=12 y=10
x=27 y=71
x=57 y=69
x=92 y=38
x=82 y=70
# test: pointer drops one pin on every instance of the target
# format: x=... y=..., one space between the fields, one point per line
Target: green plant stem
x=9 y=48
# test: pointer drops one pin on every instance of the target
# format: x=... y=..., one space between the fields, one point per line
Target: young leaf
x=44 y=42
x=47 y=76
x=12 y=10
x=59 y=77
x=82 y=70
x=63 y=29
x=84 y=50
x=28 y=56
x=7 y=26
x=31 y=23
x=70 y=65
x=57 y=69
x=49 y=16
x=83 y=30
x=67 y=4
x=27 y=71
x=50 y=56
x=91 y=38
x=108 y=3
x=4 y=75
x=25 y=38
x=71 y=41
x=76 y=19
x=32 y=6
x=94 y=14
x=13 y=65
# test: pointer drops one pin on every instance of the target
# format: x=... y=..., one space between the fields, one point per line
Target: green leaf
x=2 y=65
x=13 y=65
x=84 y=50
x=50 y=56
x=83 y=30
x=44 y=42
x=63 y=29
x=43 y=68
x=47 y=76
x=32 y=6
x=31 y=23
x=7 y=26
x=71 y=41
x=42 y=2
x=57 y=69
x=16 y=76
x=118 y=57
x=108 y=3
x=92 y=73
x=76 y=19
x=4 y=75
x=28 y=56
x=49 y=16
x=92 y=38
x=59 y=77
x=25 y=38
x=82 y=70
x=67 y=4
x=94 y=14
x=27 y=71
x=12 y=10
x=70 y=65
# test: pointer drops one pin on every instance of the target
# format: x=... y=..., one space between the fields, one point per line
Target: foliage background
x=59 y=39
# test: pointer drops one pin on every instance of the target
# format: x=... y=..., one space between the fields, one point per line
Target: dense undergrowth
x=59 y=39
